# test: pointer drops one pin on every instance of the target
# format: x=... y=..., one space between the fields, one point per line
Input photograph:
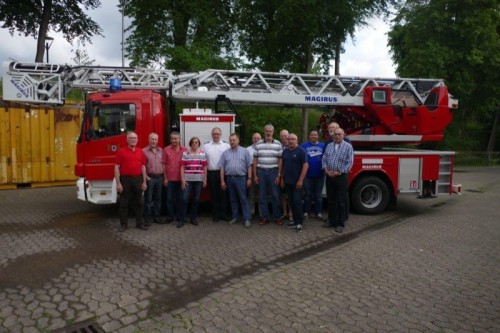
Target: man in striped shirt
x=236 y=175
x=267 y=166
x=337 y=162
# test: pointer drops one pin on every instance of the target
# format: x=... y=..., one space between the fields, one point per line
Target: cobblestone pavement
x=425 y=266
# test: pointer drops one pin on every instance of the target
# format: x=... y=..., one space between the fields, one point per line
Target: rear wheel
x=370 y=195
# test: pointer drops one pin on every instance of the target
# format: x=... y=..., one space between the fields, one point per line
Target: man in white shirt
x=214 y=150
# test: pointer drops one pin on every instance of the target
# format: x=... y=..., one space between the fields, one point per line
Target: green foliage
x=472 y=158
x=81 y=57
x=181 y=35
x=37 y=18
x=456 y=40
x=291 y=35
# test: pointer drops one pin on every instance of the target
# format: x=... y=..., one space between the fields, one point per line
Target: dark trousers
x=195 y=188
x=152 y=202
x=175 y=201
x=131 y=196
x=219 y=197
x=295 y=202
x=336 y=192
x=313 y=191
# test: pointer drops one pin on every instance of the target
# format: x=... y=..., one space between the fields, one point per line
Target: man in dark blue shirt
x=295 y=165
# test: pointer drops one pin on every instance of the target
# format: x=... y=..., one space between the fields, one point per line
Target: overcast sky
x=367 y=56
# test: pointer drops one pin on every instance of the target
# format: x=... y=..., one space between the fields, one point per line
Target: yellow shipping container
x=37 y=144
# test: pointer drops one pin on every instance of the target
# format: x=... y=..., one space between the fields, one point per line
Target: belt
x=152 y=175
x=214 y=170
x=236 y=175
x=130 y=176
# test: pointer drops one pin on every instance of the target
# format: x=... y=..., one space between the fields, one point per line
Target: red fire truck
x=375 y=113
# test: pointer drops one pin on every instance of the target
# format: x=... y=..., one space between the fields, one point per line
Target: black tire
x=370 y=195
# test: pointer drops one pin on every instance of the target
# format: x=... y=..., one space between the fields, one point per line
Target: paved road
x=425 y=266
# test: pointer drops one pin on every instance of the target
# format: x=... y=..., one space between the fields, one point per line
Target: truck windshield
x=113 y=119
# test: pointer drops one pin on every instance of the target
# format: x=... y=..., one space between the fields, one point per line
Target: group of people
x=292 y=176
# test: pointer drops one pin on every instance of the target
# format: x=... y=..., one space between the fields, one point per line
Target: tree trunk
x=42 y=31
x=305 y=111
x=337 y=57
x=493 y=135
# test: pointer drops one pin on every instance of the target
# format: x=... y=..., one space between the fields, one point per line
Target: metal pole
x=47 y=51
x=123 y=33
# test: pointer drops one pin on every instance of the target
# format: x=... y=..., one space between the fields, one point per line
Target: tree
x=181 y=35
x=292 y=35
x=456 y=40
x=81 y=56
x=38 y=18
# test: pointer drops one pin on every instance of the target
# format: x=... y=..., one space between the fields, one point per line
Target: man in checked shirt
x=337 y=162
x=154 y=171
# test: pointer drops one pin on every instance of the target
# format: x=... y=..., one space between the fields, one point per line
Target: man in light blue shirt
x=236 y=175
x=337 y=163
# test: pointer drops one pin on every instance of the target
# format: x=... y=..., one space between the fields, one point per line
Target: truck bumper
x=97 y=191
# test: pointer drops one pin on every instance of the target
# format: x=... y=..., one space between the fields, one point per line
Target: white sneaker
x=248 y=224
x=306 y=216
x=298 y=227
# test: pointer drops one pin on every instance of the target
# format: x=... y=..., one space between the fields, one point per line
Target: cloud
x=367 y=56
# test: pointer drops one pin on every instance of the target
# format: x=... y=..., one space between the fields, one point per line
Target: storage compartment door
x=410 y=175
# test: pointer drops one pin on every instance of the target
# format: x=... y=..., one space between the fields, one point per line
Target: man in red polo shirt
x=130 y=175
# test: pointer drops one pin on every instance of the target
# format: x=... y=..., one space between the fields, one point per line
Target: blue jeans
x=295 y=202
x=175 y=201
x=313 y=191
x=152 y=203
x=194 y=187
x=266 y=185
x=237 y=188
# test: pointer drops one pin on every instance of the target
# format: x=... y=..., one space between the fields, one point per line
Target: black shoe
x=194 y=222
x=326 y=225
x=291 y=224
x=147 y=224
x=179 y=224
x=142 y=227
x=122 y=228
x=167 y=221
x=157 y=221
x=339 y=229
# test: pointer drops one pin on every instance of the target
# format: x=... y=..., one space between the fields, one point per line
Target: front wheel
x=370 y=195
